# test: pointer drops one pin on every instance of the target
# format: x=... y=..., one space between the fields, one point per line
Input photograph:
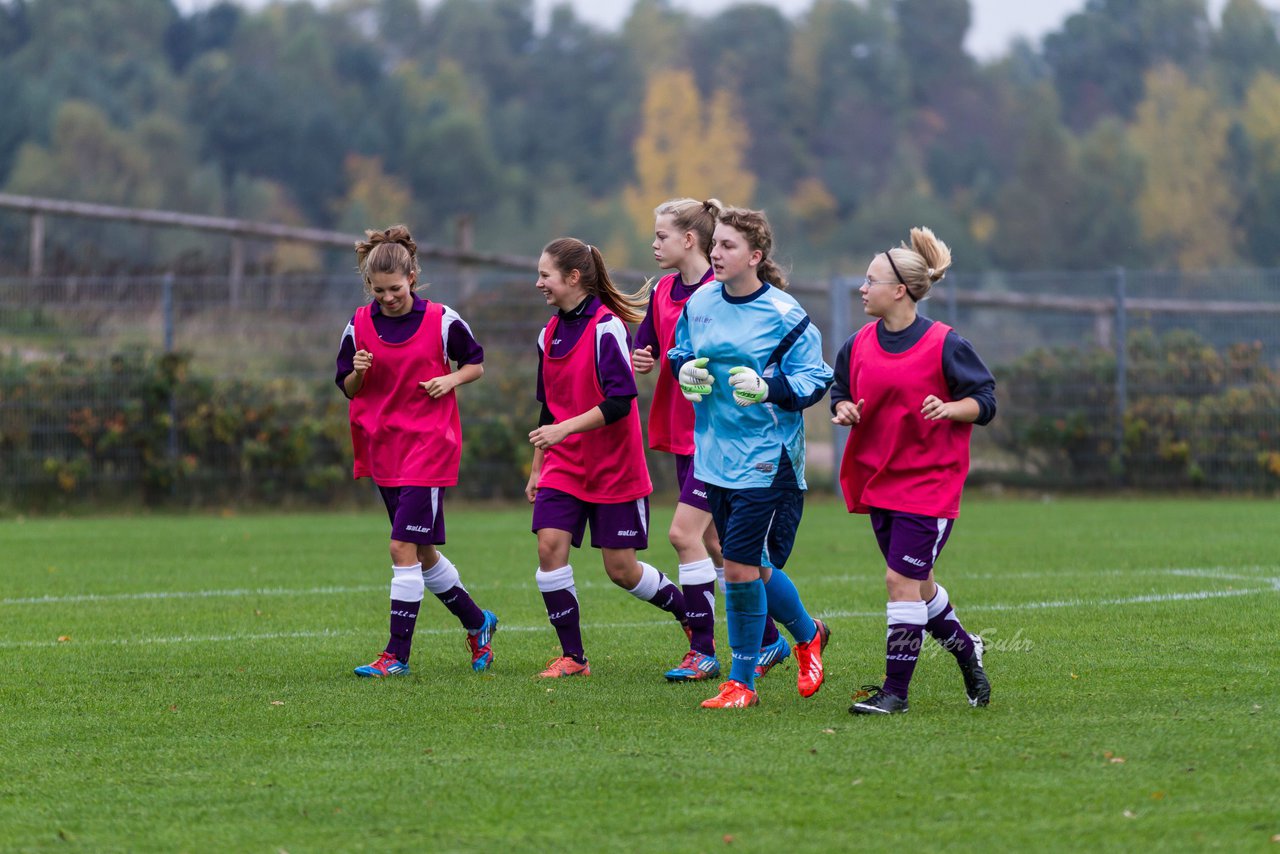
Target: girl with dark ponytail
x=588 y=460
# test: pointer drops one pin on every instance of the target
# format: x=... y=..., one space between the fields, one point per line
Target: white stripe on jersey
x=349 y=332
x=447 y=319
x=613 y=330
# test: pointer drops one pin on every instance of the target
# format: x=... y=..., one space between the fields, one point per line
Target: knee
x=622 y=571
x=900 y=587
x=403 y=554
x=682 y=539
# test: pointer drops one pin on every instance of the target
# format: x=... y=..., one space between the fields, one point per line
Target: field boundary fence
x=188 y=390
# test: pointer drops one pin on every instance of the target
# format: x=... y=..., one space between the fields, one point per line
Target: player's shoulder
x=708 y=293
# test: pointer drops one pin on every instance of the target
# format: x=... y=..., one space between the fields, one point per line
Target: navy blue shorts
x=910 y=542
x=613 y=526
x=416 y=513
x=756 y=524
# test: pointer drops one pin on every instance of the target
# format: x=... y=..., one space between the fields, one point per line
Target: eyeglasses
x=868 y=282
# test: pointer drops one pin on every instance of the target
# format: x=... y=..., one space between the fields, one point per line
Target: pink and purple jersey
x=895 y=459
x=605 y=465
x=401 y=435
x=670 y=415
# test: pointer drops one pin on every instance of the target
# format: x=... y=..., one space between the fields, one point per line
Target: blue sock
x=744 y=605
x=786 y=608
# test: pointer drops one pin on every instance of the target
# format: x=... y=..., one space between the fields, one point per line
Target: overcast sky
x=995 y=22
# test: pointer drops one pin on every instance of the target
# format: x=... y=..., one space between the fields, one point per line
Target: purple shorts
x=692 y=491
x=416 y=512
x=613 y=526
x=909 y=542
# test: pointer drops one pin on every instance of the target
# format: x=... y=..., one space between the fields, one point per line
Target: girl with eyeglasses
x=911 y=389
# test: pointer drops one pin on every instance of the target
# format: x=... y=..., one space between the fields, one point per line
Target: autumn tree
x=686 y=148
x=373 y=197
x=1261 y=210
x=1186 y=208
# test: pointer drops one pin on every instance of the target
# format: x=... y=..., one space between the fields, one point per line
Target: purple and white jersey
x=646 y=335
x=460 y=344
x=613 y=349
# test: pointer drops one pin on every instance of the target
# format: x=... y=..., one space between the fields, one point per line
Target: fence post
x=1122 y=373
x=35 y=260
x=235 y=277
x=838 y=295
x=167 y=291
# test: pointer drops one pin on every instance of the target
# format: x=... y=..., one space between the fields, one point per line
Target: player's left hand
x=934 y=409
x=439 y=386
x=748 y=386
x=548 y=436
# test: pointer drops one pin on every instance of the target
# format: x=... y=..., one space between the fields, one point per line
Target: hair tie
x=931 y=272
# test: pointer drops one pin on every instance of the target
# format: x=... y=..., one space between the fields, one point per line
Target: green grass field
x=184 y=684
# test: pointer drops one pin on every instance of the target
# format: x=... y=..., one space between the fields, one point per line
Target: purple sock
x=462 y=606
x=945 y=627
x=403 y=617
x=770 y=632
x=700 y=616
x=669 y=598
x=902 y=645
x=562 y=611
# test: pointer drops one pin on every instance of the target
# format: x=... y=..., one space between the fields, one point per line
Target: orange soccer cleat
x=809 y=660
x=733 y=695
x=564 y=666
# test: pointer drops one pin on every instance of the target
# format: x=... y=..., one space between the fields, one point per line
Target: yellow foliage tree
x=1261 y=121
x=1186 y=207
x=374 y=199
x=686 y=149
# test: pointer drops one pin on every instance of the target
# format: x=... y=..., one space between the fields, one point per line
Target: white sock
x=442 y=577
x=699 y=572
x=406 y=583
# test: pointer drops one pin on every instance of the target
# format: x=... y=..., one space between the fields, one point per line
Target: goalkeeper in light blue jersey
x=747 y=356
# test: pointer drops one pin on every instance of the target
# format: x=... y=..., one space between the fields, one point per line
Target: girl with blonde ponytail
x=911 y=389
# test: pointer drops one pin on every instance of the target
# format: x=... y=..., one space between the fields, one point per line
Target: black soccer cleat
x=977 y=687
x=874 y=701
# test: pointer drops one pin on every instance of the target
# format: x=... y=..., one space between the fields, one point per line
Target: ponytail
x=570 y=253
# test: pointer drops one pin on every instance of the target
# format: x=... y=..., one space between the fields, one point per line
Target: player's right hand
x=362 y=361
x=642 y=360
x=848 y=413
x=695 y=379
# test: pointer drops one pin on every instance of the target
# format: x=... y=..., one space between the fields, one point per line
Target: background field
x=184 y=683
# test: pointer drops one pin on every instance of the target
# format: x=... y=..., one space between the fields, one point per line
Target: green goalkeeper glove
x=748 y=386
x=695 y=379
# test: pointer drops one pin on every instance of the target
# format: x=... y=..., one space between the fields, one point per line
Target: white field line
x=1218 y=572
x=1272 y=586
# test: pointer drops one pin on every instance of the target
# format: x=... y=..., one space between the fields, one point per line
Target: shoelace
x=866 y=692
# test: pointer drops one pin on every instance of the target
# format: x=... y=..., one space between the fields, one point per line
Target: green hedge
x=1195 y=416
x=93 y=430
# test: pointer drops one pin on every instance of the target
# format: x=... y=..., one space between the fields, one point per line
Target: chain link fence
x=181 y=390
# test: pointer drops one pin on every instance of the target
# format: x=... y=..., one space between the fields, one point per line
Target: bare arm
x=445 y=383
x=550 y=435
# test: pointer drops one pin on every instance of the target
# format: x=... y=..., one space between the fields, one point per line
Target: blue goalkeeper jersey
x=742 y=447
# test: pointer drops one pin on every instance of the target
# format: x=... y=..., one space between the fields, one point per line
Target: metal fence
x=1111 y=379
